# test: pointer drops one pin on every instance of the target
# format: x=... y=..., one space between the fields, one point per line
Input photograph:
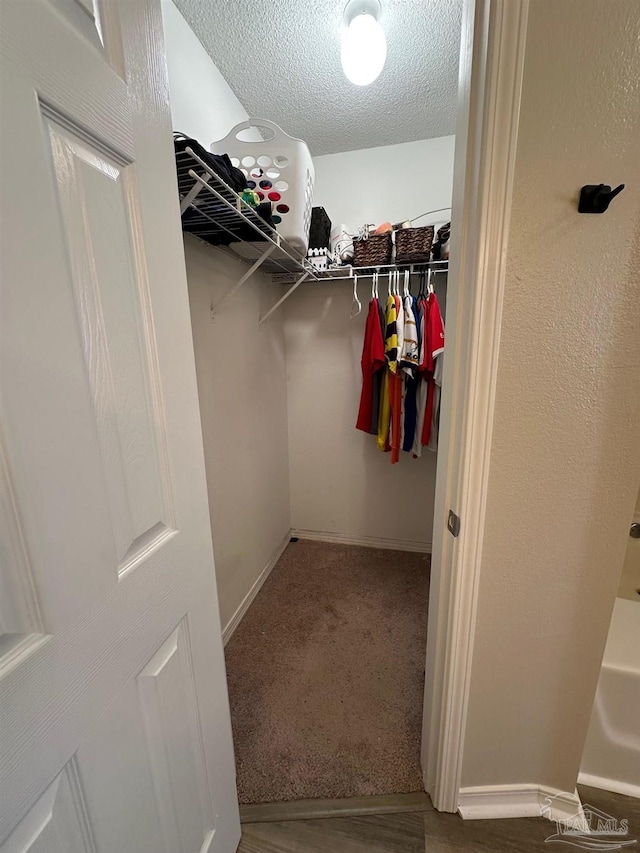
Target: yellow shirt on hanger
x=391 y=355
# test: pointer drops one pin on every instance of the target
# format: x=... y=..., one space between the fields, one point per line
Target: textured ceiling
x=282 y=60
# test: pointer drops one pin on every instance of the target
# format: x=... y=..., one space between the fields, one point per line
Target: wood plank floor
x=391 y=833
x=348 y=807
x=425 y=831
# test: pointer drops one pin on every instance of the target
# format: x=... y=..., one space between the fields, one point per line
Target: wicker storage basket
x=413 y=245
x=372 y=252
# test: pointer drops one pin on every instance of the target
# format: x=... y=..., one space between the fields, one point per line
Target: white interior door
x=115 y=732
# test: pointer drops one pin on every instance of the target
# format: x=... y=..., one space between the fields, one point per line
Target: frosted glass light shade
x=364 y=50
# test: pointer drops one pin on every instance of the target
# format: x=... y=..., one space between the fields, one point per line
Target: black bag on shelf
x=439 y=250
x=218 y=163
x=320 y=229
x=202 y=223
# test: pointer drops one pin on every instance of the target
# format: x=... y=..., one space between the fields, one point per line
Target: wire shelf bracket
x=283 y=298
x=215 y=307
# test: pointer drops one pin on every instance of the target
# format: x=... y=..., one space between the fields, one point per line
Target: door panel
x=113 y=779
x=96 y=196
x=174 y=740
x=48 y=422
x=115 y=728
x=57 y=822
x=81 y=14
x=20 y=618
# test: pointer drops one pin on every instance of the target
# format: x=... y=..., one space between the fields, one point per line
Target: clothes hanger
x=406 y=284
x=390 y=284
x=355 y=301
x=430 y=282
x=377 y=283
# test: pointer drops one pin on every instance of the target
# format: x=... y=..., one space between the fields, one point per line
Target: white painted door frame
x=491 y=64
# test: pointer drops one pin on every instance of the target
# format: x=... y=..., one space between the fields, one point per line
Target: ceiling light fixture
x=364 y=46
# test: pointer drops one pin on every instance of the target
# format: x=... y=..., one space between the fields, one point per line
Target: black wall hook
x=595 y=198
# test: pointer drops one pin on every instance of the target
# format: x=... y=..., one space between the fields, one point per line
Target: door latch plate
x=453 y=523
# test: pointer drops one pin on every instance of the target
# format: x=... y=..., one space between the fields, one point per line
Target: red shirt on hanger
x=435 y=346
x=435 y=334
x=371 y=362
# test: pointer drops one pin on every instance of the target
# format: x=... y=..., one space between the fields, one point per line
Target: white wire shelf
x=215 y=213
x=382 y=270
x=348 y=272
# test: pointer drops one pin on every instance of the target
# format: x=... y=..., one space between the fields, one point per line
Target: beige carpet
x=326 y=673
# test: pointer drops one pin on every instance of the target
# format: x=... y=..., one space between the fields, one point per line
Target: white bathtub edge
x=623 y=641
x=609 y=785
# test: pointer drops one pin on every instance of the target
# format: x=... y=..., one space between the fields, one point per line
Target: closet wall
x=341 y=485
x=240 y=365
x=392 y=182
x=202 y=104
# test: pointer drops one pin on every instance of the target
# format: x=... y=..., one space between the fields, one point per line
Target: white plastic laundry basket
x=279 y=168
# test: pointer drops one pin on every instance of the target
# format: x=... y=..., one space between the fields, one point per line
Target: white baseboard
x=503 y=801
x=235 y=620
x=366 y=541
x=626 y=788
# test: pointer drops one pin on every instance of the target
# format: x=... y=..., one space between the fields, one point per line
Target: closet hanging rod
x=348 y=273
x=361 y=275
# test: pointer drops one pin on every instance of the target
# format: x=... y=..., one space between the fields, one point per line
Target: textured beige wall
x=565 y=458
x=240 y=365
x=243 y=406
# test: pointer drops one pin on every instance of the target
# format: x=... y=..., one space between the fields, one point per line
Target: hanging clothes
x=379 y=376
x=396 y=386
x=437 y=349
x=423 y=384
x=372 y=363
x=435 y=337
x=391 y=356
x=409 y=364
x=432 y=444
x=402 y=372
x=436 y=331
x=409 y=353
